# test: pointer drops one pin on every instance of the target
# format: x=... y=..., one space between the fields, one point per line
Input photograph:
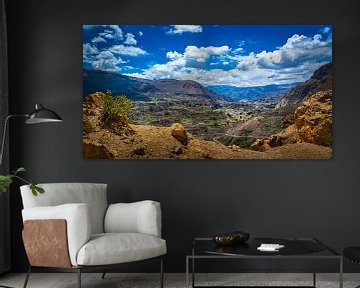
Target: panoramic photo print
x=207 y=91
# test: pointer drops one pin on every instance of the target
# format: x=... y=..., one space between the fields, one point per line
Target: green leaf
x=5 y=182
x=36 y=189
x=20 y=169
x=39 y=189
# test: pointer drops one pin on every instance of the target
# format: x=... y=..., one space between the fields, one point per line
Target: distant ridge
x=143 y=89
x=233 y=93
x=321 y=80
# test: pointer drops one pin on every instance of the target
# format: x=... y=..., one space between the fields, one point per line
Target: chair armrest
x=78 y=223
x=138 y=217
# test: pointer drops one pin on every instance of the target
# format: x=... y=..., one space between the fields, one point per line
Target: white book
x=270 y=247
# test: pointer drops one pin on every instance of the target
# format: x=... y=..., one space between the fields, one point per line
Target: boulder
x=93 y=101
x=313 y=119
x=91 y=111
x=287 y=136
x=90 y=124
x=261 y=145
x=92 y=150
x=178 y=131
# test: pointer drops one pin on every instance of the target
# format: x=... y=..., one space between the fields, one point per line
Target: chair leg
x=103 y=275
x=27 y=277
x=79 y=277
x=161 y=272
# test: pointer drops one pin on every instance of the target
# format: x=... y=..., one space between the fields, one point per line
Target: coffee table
x=294 y=248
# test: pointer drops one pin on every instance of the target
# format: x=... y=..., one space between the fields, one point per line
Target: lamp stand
x=4 y=135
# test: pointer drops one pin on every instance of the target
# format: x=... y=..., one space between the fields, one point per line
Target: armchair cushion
x=92 y=194
x=78 y=221
x=113 y=248
x=138 y=217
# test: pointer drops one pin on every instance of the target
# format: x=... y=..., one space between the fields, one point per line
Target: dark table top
x=205 y=246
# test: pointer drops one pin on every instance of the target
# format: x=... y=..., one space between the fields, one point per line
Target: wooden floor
x=114 y=280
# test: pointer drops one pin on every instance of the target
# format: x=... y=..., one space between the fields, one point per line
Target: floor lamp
x=39 y=115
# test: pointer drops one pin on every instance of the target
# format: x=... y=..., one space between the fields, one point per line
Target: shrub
x=116 y=110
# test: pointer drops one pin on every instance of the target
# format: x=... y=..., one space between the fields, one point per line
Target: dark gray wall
x=199 y=198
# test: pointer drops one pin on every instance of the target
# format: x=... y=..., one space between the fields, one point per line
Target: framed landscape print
x=207 y=91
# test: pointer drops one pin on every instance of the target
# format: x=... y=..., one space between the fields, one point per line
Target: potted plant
x=6 y=180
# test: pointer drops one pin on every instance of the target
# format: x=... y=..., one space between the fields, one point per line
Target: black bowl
x=241 y=236
x=225 y=239
x=231 y=238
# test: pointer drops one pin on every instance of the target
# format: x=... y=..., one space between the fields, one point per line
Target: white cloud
x=117 y=30
x=106 y=61
x=98 y=39
x=326 y=30
x=194 y=56
x=180 y=29
x=141 y=33
x=88 y=49
x=201 y=54
x=295 y=61
x=127 y=50
x=130 y=39
x=114 y=31
x=297 y=50
x=233 y=77
x=108 y=34
x=173 y=55
x=240 y=49
x=186 y=65
x=89 y=52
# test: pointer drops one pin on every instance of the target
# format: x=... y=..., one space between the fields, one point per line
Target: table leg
x=314 y=271
x=187 y=272
x=193 y=272
x=341 y=273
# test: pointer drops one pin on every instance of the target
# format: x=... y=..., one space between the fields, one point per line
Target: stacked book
x=270 y=247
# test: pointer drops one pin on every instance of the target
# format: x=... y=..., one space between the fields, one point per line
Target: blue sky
x=237 y=55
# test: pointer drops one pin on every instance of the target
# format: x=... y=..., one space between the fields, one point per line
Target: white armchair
x=72 y=228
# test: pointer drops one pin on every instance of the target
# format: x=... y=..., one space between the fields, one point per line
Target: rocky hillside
x=321 y=80
x=174 y=142
x=312 y=123
x=273 y=121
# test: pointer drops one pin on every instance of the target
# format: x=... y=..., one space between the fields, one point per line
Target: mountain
x=233 y=93
x=187 y=87
x=321 y=80
x=102 y=81
x=143 y=89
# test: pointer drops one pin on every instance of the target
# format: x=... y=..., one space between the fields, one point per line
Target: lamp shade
x=42 y=115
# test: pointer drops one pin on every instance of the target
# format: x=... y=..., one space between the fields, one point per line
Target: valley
x=202 y=111
x=245 y=118
x=201 y=119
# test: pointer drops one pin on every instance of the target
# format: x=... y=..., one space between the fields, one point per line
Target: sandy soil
x=150 y=142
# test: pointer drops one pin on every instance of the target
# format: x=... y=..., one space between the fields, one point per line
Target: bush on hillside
x=116 y=110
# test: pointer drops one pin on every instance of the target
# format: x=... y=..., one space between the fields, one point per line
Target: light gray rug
x=181 y=284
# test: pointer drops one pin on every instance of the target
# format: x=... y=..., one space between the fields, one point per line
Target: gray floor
x=121 y=280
